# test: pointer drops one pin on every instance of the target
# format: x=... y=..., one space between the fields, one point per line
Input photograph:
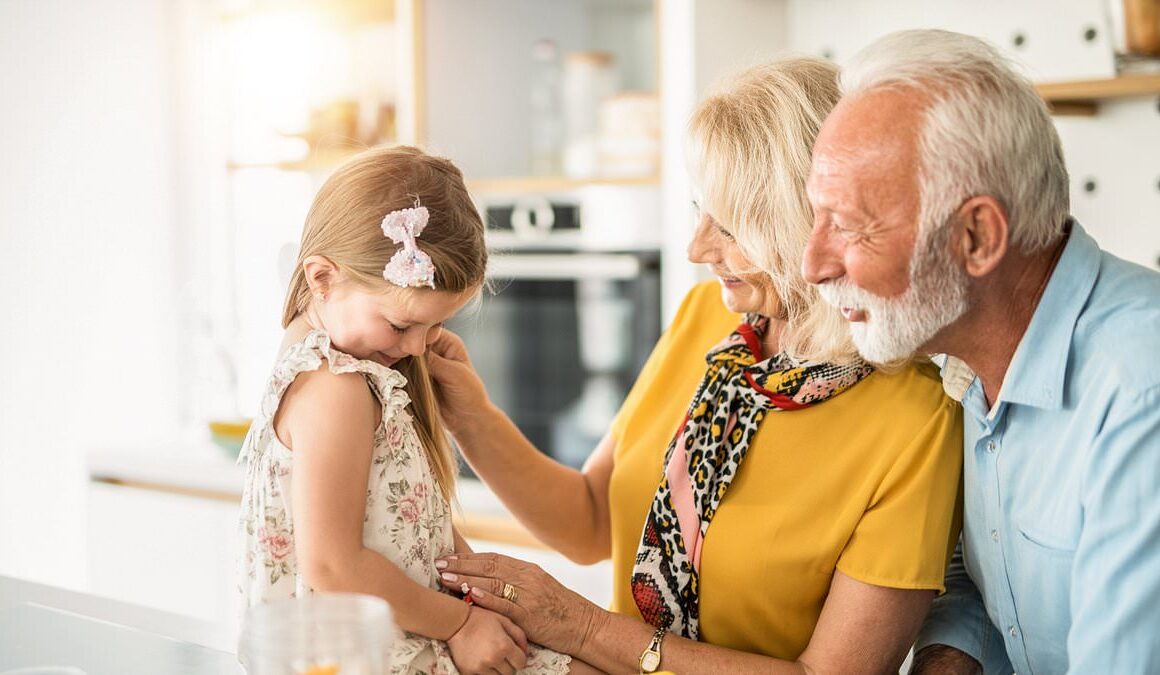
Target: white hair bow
x=409 y=267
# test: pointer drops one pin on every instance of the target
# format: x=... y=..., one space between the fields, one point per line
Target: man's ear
x=321 y=274
x=983 y=236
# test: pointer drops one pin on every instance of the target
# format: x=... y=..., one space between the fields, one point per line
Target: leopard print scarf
x=704 y=456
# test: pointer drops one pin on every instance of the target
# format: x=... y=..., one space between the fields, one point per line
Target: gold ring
x=509 y=593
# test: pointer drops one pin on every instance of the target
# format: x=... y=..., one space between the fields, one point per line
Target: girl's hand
x=548 y=612
x=487 y=643
x=461 y=393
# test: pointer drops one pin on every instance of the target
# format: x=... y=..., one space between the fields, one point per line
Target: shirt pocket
x=1042 y=586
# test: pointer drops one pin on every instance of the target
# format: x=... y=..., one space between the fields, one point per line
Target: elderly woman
x=771 y=503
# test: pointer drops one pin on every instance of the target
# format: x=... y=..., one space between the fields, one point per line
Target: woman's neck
x=771 y=341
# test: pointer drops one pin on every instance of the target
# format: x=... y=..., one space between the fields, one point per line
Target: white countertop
x=198 y=637
x=205 y=468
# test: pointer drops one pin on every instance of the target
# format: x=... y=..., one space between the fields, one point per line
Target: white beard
x=895 y=328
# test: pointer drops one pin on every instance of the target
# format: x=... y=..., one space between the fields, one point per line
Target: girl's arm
x=329 y=420
x=461 y=545
x=564 y=508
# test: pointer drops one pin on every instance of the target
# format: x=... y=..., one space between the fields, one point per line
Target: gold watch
x=650 y=658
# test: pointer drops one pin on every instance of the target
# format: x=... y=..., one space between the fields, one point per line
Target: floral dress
x=407 y=520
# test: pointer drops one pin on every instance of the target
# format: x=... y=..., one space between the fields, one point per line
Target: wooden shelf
x=350 y=12
x=554 y=183
x=328 y=161
x=1083 y=97
x=324 y=161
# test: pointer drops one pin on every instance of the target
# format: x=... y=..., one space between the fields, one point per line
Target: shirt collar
x=1039 y=367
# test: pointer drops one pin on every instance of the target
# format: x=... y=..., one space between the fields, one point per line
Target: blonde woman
x=770 y=502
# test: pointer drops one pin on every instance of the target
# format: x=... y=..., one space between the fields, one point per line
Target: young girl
x=349 y=471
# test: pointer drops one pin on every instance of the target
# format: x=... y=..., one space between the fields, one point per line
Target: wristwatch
x=650 y=658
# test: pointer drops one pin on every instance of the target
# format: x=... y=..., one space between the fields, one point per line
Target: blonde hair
x=344 y=225
x=750 y=150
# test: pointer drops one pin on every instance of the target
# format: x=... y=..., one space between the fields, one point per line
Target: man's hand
x=944 y=660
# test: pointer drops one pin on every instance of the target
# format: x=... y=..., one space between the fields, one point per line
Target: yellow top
x=868 y=482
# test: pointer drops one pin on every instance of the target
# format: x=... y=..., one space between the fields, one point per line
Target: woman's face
x=744 y=289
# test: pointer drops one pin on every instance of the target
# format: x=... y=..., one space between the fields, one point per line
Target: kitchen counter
x=183 y=501
x=204 y=470
x=45 y=625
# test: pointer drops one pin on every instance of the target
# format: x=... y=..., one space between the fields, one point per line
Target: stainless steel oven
x=565 y=327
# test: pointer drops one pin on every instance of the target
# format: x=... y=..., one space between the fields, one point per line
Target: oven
x=565 y=325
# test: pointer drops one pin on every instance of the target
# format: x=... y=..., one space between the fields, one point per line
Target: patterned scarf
x=704 y=456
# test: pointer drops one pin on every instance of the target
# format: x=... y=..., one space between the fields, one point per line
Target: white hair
x=986 y=131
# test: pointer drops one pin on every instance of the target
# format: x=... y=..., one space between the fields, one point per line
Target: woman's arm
x=564 y=508
x=862 y=628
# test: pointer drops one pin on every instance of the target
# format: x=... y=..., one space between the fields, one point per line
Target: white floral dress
x=407 y=520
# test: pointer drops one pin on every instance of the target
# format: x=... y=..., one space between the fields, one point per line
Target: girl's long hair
x=344 y=226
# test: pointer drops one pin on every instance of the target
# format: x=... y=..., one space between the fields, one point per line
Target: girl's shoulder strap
x=308 y=354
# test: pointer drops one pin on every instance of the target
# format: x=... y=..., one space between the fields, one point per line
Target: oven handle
x=562 y=266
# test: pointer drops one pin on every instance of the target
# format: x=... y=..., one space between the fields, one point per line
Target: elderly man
x=942 y=226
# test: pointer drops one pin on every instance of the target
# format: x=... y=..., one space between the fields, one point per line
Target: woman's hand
x=461 y=393
x=488 y=642
x=549 y=613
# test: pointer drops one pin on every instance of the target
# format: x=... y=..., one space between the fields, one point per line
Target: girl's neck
x=297 y=329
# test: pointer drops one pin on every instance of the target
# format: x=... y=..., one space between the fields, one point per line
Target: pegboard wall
x=1113 y=157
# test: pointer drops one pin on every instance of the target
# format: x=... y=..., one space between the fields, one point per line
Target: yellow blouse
x=868 y=482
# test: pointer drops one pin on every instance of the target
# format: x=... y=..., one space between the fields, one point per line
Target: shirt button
x=991 y=447
x=1012 y=631
x=994 y=535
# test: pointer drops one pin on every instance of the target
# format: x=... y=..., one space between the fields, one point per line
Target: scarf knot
x=739 y=388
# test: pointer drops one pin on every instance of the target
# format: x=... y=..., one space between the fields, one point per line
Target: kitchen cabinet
x=163 y=533
x=168 y=551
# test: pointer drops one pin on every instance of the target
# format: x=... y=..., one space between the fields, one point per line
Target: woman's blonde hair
x=749 y=148
x=344 y=225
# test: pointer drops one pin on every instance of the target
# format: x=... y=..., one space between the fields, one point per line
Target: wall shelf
x=555 y=183
x=1083 y=97
x=350 y=12
x=317 y=162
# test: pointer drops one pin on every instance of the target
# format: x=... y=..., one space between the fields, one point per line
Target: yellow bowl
x=229 y=434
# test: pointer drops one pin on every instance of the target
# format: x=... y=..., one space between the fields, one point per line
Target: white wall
x=88 y=249
x=1115 y=151
x=704 y=40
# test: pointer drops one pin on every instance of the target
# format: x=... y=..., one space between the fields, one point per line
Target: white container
x=630 y=135
x=318 y=634
x=589 y=78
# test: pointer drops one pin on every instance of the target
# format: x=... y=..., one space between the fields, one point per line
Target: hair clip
x=410 y=266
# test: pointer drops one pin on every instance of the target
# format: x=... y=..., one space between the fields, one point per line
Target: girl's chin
x=383 y=359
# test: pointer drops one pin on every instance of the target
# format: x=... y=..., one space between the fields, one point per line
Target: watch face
x=650 y=661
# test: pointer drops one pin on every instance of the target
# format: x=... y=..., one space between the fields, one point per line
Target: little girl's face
x=386 y=326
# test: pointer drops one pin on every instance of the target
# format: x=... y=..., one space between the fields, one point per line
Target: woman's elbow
x=586 y=552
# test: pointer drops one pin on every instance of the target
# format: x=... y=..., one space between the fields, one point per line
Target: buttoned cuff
x=961 y=623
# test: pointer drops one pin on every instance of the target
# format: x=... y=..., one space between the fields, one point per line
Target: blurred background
x=157 y=158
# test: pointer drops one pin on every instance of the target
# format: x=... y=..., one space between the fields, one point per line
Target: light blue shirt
x=1058 y=569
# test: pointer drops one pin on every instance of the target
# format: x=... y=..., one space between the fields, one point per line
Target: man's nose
x=822 y=261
